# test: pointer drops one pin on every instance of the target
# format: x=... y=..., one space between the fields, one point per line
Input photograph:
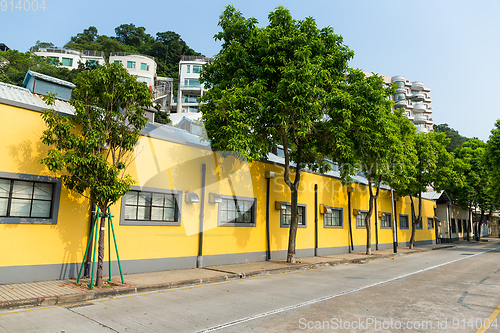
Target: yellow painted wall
x=25 y=244
x=167 y=165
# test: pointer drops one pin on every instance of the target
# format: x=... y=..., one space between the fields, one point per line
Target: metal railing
x=192 y=58
x=124 y=54
x=89 y=53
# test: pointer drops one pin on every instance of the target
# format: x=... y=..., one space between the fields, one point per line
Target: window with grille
x=385 y=220
x=360 y=219
x=29 y=199
x=333 y=219
x=286 y=215
x=237 y=211
x=404 y=222
x=151 y=207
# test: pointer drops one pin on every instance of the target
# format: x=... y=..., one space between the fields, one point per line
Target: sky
x=453 y=47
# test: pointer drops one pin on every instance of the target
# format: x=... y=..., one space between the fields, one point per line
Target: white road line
x=325 y=298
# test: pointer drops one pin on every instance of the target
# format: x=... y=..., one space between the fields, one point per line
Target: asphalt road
x=451 y=290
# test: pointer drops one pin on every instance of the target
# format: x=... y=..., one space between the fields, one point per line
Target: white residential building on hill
x=142 y=66
x=70 y=58
x=190 y=89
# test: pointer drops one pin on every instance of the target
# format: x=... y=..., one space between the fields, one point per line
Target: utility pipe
x=376 y=226
x=349 y=189
x=269 y=175
x=199 y=261
x=315 y=220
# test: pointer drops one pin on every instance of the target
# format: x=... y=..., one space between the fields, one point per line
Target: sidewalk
x=56 y=292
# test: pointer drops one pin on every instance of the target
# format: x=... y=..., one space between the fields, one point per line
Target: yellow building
x=181 y=187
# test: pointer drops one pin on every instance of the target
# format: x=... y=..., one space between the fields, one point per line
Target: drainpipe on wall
x=349 y=190
x=269 y=175
x=315 y=220
x=199 y=260
x=394 y=229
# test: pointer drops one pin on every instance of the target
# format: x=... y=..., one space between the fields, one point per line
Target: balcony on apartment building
x=191 y=85
x=190 y=100
x=125 y=54
x=420 y=118
x=194 y=58
x=419 y=107
x=422 y=128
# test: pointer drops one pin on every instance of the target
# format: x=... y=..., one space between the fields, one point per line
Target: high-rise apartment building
x=415 y=98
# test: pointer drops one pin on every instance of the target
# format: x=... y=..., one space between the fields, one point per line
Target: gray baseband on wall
x=417 y=243
x=299 y=253
x=29 y=273
x=233 y=258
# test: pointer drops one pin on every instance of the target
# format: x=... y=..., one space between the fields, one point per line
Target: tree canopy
x=435 y=168
x=283 y=84
x=456 y=140
x=492 y=160
x=15 y=64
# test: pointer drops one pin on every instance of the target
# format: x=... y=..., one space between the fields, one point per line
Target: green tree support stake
x=116 y=247
x=86 y=250
x=109 y=245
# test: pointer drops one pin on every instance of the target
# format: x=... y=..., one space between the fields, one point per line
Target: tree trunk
x=413 y=223
x=100 y=253
x=468 y=224
x=294 y=192
x=368 y=225
x=481 y=217
x=294 y=223
x=419 y=217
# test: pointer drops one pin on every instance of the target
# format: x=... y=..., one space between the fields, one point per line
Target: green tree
x=136 y=37
x=377 y=135
x=456 y=140
x=435 y=168
x=492 y=160
x=15 y=64
x=472 y=192
x=40 y=44
x=277 y=85
x=93 y=148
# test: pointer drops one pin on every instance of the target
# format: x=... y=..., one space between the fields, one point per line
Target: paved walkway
x=65 y=291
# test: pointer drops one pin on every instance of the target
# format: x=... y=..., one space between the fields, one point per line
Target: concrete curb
x=69 y=299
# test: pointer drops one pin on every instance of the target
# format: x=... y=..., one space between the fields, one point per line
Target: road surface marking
x=489 y=320
x=347 y=292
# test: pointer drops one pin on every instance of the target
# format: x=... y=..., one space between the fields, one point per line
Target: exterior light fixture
x=279 y=205
x=192 y=197
x=214 y=198
x=324 y=209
